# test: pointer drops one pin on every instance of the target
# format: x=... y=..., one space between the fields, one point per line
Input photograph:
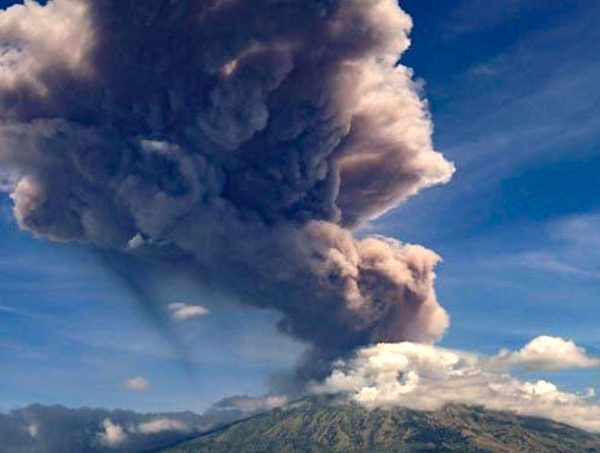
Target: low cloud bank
x=160 y=425
x=51 y=429
x=114 y=435
x=426 y=377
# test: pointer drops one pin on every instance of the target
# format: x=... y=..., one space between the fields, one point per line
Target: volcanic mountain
x=323 y=424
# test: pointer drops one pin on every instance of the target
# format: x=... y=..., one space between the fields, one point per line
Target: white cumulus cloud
x=547 y=354
x=137 y=384
x=182 y=312
x=113 y=434
x=426 y=377
x=33 y=430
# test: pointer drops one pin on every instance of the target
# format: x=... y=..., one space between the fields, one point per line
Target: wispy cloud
x=138 y=384
x=183 y=312
x=13 y=311
x=565 y=246
x=533 y=101
x=160 y=425
x=582 y=230
x=543 y=261
x=474 y=15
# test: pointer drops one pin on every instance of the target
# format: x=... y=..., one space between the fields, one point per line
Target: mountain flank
x=328 y=425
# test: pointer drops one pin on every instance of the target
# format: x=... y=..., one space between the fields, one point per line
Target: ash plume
x=246 y=139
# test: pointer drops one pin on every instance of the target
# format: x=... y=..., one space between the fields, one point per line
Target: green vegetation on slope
x=322 y=425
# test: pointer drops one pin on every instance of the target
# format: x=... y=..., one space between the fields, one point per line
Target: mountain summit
x=328 y=425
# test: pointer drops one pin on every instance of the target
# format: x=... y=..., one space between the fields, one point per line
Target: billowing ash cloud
x=244 y=138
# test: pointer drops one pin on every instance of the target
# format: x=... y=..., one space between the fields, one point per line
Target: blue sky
x=512 y=89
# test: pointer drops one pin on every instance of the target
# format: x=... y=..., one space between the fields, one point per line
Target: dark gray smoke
x=245 y=139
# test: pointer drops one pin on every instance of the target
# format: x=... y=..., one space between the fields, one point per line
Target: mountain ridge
x=325 y=424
